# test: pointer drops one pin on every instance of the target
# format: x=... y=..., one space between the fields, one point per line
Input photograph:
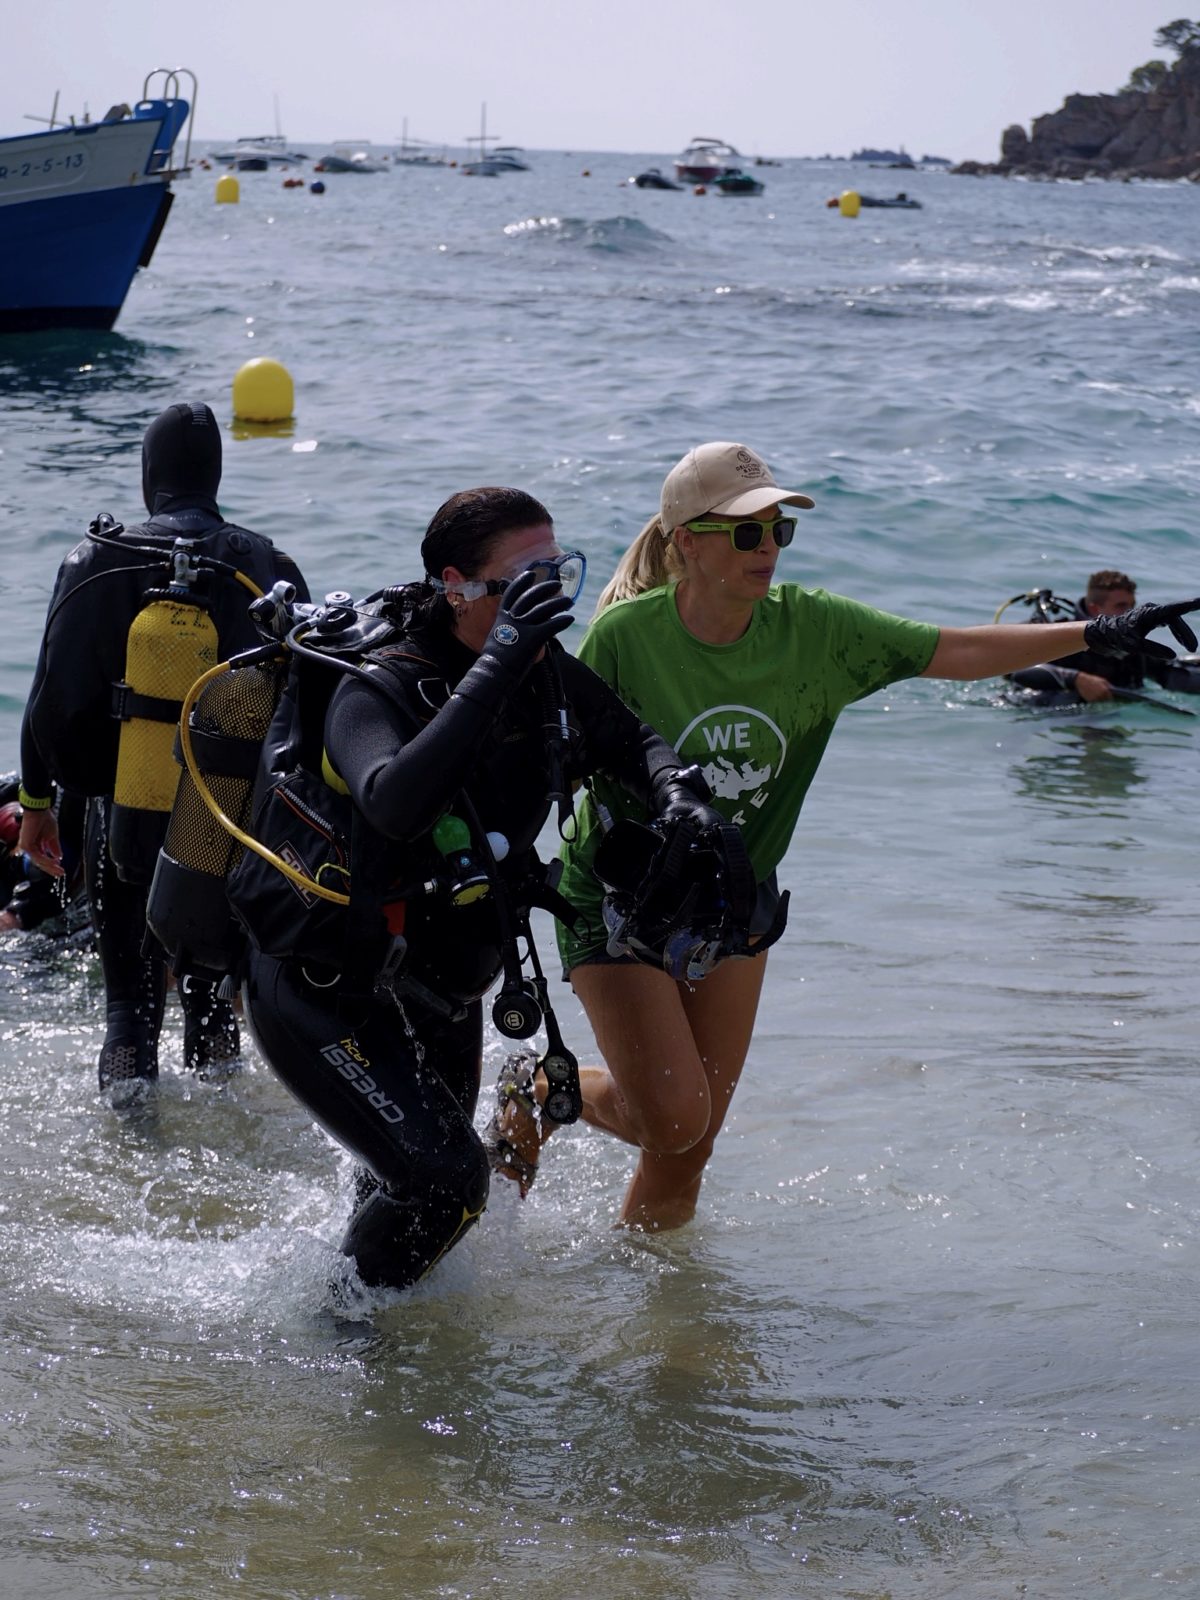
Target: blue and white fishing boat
x=82 y=206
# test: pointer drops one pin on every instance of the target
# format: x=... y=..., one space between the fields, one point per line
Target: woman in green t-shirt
x=746 y=678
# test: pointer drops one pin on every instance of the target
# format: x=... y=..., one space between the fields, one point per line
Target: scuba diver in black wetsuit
x=136 y=614
x=1089 y=676
x=450 y=742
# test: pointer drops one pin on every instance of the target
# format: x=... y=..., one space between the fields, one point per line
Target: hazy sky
x=777 y=77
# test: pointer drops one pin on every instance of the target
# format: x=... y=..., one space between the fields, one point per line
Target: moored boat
x=508 y=157
x=491 y=163
x=737 y=182
x=897 y=202
x=706 y=159
x=653 y=178
x=82 y=206
x=259 y=154
x=342 y=158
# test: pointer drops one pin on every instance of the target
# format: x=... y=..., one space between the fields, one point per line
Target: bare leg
x=674 y=1058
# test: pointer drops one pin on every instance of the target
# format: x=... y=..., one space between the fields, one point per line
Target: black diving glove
x=531 y=614
x=680 y=794
x=1126 y=635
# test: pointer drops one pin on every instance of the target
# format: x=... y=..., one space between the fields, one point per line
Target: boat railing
x=160 y=158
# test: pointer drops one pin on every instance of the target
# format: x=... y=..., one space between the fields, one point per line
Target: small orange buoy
x=699 y=189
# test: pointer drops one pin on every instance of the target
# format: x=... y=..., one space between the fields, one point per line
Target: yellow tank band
x=331 y=775
x=29 y=803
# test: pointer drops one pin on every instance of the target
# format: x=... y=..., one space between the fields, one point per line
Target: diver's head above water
x=477 y=543
x=181 y=459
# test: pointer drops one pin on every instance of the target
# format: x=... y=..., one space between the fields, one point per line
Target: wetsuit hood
x=181 y=459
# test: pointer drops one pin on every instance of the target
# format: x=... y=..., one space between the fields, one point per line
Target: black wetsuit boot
x=211 y=1041
x=134 y=986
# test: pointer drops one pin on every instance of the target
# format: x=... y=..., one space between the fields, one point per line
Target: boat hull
x=81 y=209
x=697 y=172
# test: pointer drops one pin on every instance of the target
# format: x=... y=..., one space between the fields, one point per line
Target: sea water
x=932 y=1332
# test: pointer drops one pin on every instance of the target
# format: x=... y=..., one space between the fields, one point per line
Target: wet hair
x=181 y=458
x=1106 y=581
x=651 y=561
x=464 y=532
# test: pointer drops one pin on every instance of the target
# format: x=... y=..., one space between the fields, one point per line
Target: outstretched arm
x=987 y=651
x=999 y=647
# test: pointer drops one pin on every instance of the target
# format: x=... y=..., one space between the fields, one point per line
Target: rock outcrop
x=1137 y=133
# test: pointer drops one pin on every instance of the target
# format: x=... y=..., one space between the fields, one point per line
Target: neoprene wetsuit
x=401 y=1096
x=1052 y=683
x=69 y=735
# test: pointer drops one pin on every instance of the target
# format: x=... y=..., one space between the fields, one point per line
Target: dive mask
x=568 y=570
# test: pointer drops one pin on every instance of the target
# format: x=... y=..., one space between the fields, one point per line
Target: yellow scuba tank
x=187 y=909
x=171 y=642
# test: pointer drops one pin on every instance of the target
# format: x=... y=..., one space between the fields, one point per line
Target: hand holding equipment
x=681 y=795
x=532 y=612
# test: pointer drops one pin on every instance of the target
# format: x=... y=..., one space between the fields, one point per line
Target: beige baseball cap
x=724 y=479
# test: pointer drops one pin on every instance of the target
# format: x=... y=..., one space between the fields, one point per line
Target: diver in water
x=80 y=707
x=1087 y=676
x=447 y=747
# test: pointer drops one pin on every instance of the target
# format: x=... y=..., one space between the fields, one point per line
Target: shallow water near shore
x=932 y=1333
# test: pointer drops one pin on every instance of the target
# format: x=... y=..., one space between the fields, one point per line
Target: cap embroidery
x=748 y=465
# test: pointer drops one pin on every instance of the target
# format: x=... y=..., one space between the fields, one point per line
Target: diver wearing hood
x=204 y=572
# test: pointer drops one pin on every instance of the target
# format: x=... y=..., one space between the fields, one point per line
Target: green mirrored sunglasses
x=747 y=536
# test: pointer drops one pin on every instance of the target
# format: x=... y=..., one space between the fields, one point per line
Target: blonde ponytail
x=650 y=561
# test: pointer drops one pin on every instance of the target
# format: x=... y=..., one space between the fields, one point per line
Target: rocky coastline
x=1136 y=133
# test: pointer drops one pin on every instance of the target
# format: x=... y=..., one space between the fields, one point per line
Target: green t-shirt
x=756 y=715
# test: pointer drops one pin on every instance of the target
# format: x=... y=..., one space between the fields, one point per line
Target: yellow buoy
x=850 y=203
x=263 y=391
x=228 y=190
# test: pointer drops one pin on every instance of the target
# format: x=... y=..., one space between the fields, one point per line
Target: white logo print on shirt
x=739 y=751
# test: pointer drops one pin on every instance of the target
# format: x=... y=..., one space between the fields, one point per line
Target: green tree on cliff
x=1181 y=36
x=1147 y=77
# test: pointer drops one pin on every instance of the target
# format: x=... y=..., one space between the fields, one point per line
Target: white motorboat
x=509 y=158
x=259 y=154
x=706 y=159
x=491 y=163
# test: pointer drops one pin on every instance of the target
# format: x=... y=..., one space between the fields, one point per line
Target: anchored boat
x=82 y=206
x=259 y=154
x=737 y=182
x=706 y=159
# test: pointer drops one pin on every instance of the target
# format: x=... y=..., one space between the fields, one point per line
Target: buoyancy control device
x=228 y=715
x=251 y=814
